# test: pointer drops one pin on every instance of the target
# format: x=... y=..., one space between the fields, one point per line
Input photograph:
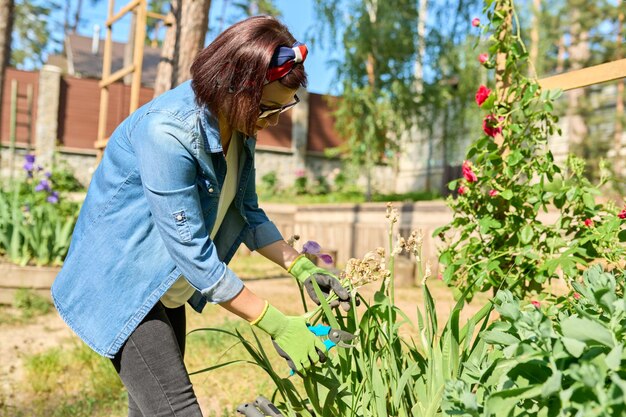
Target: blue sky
x=297 y=15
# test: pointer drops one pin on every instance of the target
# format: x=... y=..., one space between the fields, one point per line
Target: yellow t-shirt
x=178 y=294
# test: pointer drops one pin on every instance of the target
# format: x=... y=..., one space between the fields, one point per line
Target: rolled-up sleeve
x=261 y=231
x=168 y=174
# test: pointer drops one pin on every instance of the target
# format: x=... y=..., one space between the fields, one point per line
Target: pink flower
x=490 y=125
x=622 y=214
x=535 y=303
x=468 y=174
x=483 y=58
x=461 y=190
x=475 y=22
x=300 y=173
x=493 y=193
x=576 y=296
x=482 y=94
x=588 y=222
x=439 y=276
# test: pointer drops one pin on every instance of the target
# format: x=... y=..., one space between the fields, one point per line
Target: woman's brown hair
x=232 y=69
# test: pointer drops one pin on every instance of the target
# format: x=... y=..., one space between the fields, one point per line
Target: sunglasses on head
x=265 y=112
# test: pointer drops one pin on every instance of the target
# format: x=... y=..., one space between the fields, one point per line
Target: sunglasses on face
x=266 y=112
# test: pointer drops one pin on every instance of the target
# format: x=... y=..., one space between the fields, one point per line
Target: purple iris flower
x=44 y=185
x=30 y=163
x=313 y=248
x=53 y=198
x=48 y=174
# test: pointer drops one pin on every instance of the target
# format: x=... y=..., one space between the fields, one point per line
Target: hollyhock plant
x=622 y=214
x=468 y=174
x=461 y=190
x=493 y=193
x=313 y=248
x=482 y=94
x=483 y=58
x=536 y=303
x=588 y=222
x=490 y=125
x=475 y=22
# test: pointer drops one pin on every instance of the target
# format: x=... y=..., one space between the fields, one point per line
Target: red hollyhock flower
x=475 y=22
x=622 y=214
x=461 y=190
x=536 y=303
x=482 y=94
x=576 y=296
x=490 y=126
x=588 y=222
x=468 y=174
x=483 y=58
x=493 y=193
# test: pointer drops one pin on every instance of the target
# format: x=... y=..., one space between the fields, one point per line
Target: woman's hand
x=292 y=339
x=306 y=271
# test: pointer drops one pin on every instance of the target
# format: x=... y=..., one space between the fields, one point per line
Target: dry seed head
x=292 y=240
x=415 y=241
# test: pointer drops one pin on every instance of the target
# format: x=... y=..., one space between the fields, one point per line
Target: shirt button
x=211 y=190
x=179 y=217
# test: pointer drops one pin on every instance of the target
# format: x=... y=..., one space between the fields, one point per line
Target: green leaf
x=507 y=194
x=587 y=331
x=552 y=385
x=501 y=403
x=498 y=337
x=526 y=234
x=614 y=358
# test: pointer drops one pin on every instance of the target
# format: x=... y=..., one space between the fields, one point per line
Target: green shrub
x=269 y=182
x=563 y=359
x=36 y=222
x=496 y=239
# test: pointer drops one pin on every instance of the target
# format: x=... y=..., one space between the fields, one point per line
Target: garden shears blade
x=332 y=337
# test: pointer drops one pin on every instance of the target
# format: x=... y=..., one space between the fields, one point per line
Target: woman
x=167 y=208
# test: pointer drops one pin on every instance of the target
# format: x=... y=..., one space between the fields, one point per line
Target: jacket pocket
x=180 y=218
x=209 y=193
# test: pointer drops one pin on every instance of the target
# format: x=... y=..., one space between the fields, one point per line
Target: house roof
x=81 y=62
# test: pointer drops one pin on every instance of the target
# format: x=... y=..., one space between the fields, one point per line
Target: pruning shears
x=260 y=408
x=332 y=337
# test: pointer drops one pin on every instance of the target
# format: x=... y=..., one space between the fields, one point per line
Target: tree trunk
x=187 y=26
x=166 y=71
x=419 y=82
x=77 y=14
x=6 y=26
x=193 y=27
x=618 y=166
x=534 y=38
x=578 y=55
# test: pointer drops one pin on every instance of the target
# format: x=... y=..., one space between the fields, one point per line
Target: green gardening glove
x=292 y=339
x=305 y=271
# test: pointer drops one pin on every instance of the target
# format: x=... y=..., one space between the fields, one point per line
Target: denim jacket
x=146 y=221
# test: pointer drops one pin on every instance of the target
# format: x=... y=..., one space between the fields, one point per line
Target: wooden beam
x=130 y=6
x=157 y=16
x=100 y=144
x=140 y=37
x=587 y=76
x=116 y=76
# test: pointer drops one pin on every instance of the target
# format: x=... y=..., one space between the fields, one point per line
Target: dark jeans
x=150 y=364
